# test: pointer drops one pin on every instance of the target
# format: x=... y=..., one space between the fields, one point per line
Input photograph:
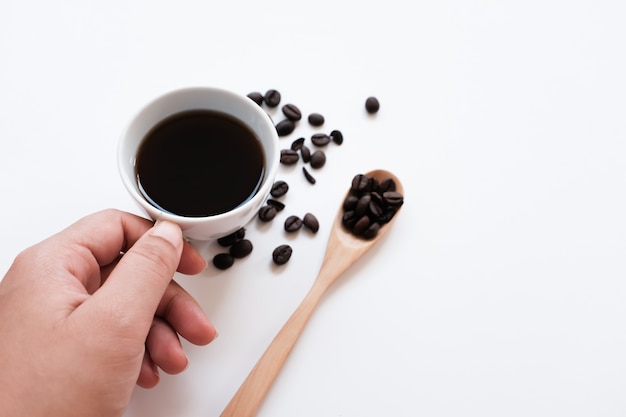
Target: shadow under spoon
x=342 y=250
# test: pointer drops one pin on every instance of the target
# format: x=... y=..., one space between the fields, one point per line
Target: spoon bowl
x=342 y=250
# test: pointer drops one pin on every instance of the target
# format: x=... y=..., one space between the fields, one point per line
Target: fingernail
x=168 y=231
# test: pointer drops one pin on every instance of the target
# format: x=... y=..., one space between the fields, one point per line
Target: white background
x=500 y=290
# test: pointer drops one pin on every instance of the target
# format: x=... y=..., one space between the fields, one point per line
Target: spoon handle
x=251 y=393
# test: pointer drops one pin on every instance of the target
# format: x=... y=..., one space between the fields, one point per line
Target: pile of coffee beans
x=238 y=247
x=313 y=157
x=369 y=205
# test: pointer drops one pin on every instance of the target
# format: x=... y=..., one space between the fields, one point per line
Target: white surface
x=500 y=290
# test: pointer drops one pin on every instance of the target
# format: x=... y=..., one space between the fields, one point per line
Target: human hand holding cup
x=202 y=157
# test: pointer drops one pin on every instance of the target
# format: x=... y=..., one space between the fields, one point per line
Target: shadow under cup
x=197 y=101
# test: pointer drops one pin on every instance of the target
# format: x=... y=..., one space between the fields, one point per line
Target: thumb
x=137 y=284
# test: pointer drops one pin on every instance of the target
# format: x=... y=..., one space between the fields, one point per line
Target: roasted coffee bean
x=372 y=231
x=223 y=260
x=337 y=137
x=288 y=156
x=282 y=254
x=306 y=153
x=393 y=198
x=272 y=98
x=348 y=219
x=320 y=139
x=361 y=224
x=279 y=188
x=318 y=159
x=362 y=205
x=375 y=210
x=308 y=176
x=232 y=238
x=293 y=224
x=241 y=249
x=387 y=185
x=361 y=183
x=276 y=204
x=316 y=119
x=285 y=127
x=311 y=222
x=267 y=213
x=292 y=112
x=256 y=97
x=350 y=202
x=372 y=105
x=297 y=144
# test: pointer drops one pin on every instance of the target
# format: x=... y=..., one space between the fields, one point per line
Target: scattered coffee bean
x=256 y=97
x=241 y=249
x=232 y=238
x=276 y=204
x=311 y=222
x=293 y=224
x=292 y=112
x=308 y=176
x=306 y=153
x=372 y=105
x=285 y=127
x=282 y=254
x=320 y=139
x=267 y=213
x=318 y=159
x=367 y=207
x=297 y=144
x=272 y=98
x=336 y=136
x=316 y=119
x=288 y=156
x=223 y=260
x=279 y=188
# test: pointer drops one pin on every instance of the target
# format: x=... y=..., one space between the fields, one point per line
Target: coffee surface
x=200 y=163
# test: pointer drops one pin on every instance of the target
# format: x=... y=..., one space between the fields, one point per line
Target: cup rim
x=159 y=214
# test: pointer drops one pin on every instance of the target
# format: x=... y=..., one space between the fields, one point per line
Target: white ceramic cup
x=200 y=98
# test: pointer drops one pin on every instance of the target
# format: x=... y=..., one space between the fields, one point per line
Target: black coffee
x=200 y=163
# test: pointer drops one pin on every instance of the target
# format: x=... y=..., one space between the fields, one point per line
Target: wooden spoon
x=343 y=249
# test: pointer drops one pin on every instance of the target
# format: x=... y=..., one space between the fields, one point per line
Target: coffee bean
x=320 y=139
x=276 y=204
x=282 y=254
x=267 y=213
x=285 y=127
x=292 y=112
x=336 y=137
x=272 y=98
x=372 y=105
x=311 y=222
x=306 y=153
x=308 y=176
x=318 y=159
x=241 y=249
x=393 y=198
x=372 y=231
x=256 y=97
x=223 y=260
x=316 y=119
x=297 y=144
x=362 y=205
x=350 y=202
x=361 y=224
x=232 y=238
x=279 y=188
x=387 y=185
x=361 y=183
x=288 y=156
x=293 y=224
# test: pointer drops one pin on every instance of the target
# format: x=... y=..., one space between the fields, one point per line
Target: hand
x=92 y=311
